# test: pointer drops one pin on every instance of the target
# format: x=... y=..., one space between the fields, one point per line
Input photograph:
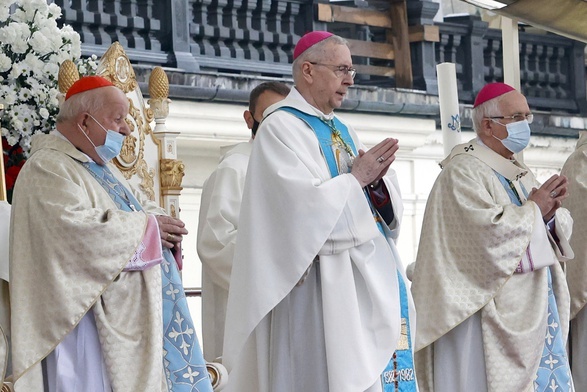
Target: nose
x=348 y=80
x=125 y=129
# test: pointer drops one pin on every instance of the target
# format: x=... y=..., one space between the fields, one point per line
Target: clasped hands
x=369 y=167
x=171 y=230
x=550 y=195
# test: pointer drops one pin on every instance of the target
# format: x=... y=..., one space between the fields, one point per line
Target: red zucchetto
x=308 y=40
x=87 y=83
x=490 y=91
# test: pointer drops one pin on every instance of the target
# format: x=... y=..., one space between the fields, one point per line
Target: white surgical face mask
x=518 y=135
x=112 y=145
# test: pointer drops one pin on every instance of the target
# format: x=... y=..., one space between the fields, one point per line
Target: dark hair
x=276 y=87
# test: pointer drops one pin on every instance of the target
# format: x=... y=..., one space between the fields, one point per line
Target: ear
x=248 y=116
x=82 y=120
x=307 y=71
x=487 y=127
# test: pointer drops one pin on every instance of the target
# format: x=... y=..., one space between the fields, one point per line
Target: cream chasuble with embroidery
x=575 y=169
x=86 y=244
x=473 y=239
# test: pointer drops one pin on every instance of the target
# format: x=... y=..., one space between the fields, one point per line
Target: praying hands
x=369 y=167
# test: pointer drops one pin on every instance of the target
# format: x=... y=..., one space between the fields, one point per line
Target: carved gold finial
x=158 y=84
x=68 y=75
x=172 y=172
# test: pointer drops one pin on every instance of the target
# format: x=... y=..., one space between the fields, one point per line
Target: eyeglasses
x=516 y=117
x=339 y=70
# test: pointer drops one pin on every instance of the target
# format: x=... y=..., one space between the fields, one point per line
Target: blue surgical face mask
x=518 y=135
x=112 y=145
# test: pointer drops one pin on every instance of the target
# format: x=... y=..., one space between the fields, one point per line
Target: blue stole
x=185 y=368
x=554 y=372
x=399 y=373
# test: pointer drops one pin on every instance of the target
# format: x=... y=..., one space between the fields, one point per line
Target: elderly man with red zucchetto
x=96 y=298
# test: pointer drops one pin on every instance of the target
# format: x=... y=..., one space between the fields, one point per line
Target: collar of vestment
x=56 y=141
x=510 y=169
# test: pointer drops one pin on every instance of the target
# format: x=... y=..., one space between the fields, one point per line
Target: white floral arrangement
x=32 y=47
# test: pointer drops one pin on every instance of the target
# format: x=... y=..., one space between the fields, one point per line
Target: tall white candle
x=450 y=117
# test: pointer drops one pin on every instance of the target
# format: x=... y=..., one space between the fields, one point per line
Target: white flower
x=33 y=64
x=34 y=9
x=4 y=12
x=18 y=69
x=51 y=68
x=40 y=42
x=32 y=47
x=5 y=63
x=8 y=94
x=44 y=113
x=54 y=11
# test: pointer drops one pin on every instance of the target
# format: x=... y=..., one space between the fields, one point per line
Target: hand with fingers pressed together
x=550 y=195
x=369 y=167
x=172 y=231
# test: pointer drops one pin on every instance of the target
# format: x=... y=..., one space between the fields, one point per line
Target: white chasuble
x=465 y=282
x=72 y=263
x=314 y=302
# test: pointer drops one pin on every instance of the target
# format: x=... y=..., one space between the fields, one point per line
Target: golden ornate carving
x=172 y=172
x=68 y=75
x=116 y=67
x=158 y=84
x=148 y=179
x=127 y=153
x=133 y=149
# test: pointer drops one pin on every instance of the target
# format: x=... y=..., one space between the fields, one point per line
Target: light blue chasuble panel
x=339 y=150
x=554 y=372
x=183 y=362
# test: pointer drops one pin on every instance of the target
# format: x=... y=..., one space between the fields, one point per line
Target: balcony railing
x=396 y=43
x=552 y=70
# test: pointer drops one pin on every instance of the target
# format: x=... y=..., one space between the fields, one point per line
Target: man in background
x=218 y=222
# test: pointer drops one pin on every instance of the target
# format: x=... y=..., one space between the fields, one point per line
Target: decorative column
x=171 y=170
